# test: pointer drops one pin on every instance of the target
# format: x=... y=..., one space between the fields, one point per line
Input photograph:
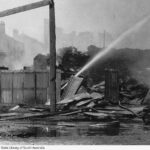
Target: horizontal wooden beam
x=24 y=8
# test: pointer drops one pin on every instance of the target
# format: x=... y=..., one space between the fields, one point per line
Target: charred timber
x=25 y=8
x=52 y=47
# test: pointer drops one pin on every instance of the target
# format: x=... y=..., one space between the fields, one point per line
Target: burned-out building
x=11 y=50
x=32 y=46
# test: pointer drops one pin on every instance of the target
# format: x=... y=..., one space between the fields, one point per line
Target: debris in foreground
x=90 y=105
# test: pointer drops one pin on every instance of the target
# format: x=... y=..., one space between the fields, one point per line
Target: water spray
x=114 y=43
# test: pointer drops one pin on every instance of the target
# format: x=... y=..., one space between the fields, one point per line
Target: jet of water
x=114 y=43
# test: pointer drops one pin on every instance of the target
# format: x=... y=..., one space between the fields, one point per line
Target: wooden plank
x=29 y=80
x=116 y=108
x=18 y=79
x=18 y=85
x=52 y=44
x=6 y=97
x=31 y=115
x=83 y=103
x=6 y=80
x=41 y=96
x=111 y=86
x=72 y=87
x=26 y=115
x=106 y=125
x=8 y=114
x=29 y=97
x=18 y=96
x=0 y=89
x=71 y=113
x=41 y=80
x=24 y=8
x=97 y=115
x=147 y=98
x=77 y=97
x=6 y=87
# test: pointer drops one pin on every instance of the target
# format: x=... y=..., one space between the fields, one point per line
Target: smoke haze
x=95 y=16
x=115 y=16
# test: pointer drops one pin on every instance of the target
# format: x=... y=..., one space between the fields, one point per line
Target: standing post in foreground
x=52 y=47
x=52 y=41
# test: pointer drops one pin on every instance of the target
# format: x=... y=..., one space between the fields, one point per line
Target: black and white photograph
x=74 y=72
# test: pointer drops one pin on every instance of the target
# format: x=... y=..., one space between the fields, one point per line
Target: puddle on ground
x=62 y=129
x=67 y=131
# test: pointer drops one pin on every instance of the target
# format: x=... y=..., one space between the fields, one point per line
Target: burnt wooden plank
x=77 y=97
x=72 y=87
x=52 y=47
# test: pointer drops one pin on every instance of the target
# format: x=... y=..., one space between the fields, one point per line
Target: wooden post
x=52 y=41
x=58 y=85
x=52 y=47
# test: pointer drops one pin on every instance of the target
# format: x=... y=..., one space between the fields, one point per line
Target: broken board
x=72 y=87
x=147 y=98
x=97 y=115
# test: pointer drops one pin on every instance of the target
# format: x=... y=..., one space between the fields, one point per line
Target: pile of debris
x=80 y=103
x=93 y=104
x=132 y=92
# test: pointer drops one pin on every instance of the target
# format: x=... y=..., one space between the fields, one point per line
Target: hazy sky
x=115 y=16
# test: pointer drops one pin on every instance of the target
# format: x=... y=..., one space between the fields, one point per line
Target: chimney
x=2 y=27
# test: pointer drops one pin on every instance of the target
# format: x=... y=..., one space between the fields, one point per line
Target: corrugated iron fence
x=24 y=87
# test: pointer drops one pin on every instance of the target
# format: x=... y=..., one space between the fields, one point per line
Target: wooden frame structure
x=52 y=42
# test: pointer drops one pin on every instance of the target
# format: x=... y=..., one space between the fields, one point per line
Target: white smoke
x=101 y=54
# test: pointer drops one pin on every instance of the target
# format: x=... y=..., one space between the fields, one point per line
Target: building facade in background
x=32 y=47
x=11 y=50
x=79 y=40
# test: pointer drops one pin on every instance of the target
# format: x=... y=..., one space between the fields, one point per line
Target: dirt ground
x=74 y=133
x=141 y=139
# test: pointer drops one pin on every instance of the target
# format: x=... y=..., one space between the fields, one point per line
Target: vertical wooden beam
x=35 y=86
x=111 y=86
x=52 y=47
x=58 y=85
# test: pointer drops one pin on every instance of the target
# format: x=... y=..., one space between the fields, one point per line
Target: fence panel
x=25 y=87
x=6 y=87
x=42 y=83
x=18 y=85
x=29 y=88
